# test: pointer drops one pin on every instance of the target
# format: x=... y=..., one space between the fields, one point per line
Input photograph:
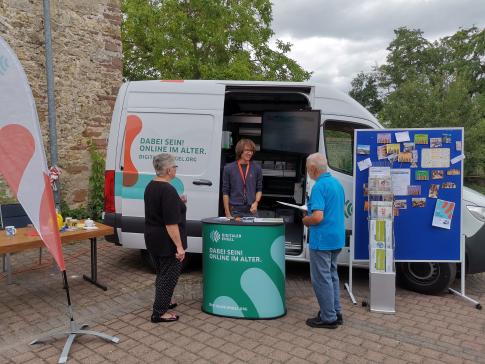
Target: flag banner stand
x=26 y=173
x=74 y=329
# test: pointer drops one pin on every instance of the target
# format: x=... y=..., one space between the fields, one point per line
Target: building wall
x=86 y=41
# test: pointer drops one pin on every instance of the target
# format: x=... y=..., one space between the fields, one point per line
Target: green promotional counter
x=244 y=269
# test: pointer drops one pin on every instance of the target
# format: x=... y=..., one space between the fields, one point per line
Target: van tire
x=148 y=262
x=426 y=277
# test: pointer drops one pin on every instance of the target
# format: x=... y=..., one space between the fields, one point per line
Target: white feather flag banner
x=23 y=163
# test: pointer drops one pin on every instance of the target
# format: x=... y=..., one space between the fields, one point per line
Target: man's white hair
x=318 y=160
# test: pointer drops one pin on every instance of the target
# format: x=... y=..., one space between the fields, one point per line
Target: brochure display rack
x=382 y=275
x=426 y=174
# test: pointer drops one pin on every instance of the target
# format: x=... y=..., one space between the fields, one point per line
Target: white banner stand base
x=351 y=295
x=477 y=304
x=74 y=329
x=461 y=293
x=348 y=286
x=71 y=335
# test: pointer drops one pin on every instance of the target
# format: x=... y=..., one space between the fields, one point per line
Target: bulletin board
x=415 y=236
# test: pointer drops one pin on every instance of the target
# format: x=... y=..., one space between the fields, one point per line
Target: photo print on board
x=453 y=172
x=433 y=191
x=393 y=148
x=383 y=138
x=421 y=175
x=435 y=142
x=405 y=157
x=400 y=204
x=392 y=158
x=446 y=138
x=448 y=185
x=408 y=147
x=419 y=202
x=437 y=174
x=420 y=138
x=414 y=190
x=363 y=149
x=381 y=152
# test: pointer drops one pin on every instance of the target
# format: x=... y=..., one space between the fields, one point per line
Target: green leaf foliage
x=203 y=39
x=95 y=203
x=96 y=184
x=431 y=84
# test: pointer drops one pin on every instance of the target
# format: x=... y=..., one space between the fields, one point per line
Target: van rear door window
x=339 y=144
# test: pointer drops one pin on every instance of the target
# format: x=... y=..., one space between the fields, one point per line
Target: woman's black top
x=163 y=206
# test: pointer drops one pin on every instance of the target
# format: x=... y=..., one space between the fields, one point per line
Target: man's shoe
x=340 y=319
x=316 y=322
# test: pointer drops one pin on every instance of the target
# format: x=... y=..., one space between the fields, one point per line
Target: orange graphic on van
x=133 y=128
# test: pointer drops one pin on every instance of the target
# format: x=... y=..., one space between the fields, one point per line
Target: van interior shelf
x=243 y=119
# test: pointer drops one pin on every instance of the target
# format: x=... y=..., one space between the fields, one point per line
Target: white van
x=200 y=121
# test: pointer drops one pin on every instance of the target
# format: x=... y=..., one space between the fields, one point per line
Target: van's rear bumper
x=133 y=224
x=475 y=252
x=114 y=220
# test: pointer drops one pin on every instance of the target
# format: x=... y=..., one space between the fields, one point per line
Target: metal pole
x=51 y=100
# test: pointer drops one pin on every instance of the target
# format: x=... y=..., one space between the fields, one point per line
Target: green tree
x=365 y=90
x=434 y=84
x=203 y=39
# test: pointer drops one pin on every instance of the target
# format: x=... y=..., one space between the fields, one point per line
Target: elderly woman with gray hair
x=165 y=235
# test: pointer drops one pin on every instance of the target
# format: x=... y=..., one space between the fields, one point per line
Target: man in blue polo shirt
x=325 y=220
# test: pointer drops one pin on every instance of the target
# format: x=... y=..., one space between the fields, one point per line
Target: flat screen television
x=291 y=131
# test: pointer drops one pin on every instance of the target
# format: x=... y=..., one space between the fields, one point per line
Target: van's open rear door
x=185 y=120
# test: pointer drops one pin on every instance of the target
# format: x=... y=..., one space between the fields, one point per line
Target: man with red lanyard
x=242 y=182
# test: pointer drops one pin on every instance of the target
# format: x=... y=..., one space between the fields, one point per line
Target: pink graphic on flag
x=22 y=158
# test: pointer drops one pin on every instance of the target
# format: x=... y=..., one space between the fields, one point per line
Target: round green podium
x=244 y=269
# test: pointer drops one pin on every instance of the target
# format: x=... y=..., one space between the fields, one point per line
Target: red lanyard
x=243 y=177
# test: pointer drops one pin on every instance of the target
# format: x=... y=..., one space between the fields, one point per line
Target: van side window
x=339 y=144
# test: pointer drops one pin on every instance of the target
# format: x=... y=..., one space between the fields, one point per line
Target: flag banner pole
x=23 y=165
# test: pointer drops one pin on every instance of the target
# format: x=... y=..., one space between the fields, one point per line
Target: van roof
x=336 y=101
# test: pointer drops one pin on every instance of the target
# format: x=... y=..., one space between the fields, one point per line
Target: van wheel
x=426 y=277
x=148 y=262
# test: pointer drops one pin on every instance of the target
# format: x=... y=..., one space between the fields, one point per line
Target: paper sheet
x=435 y=157
x=401 y=179
x=364 y=164
x=303 y=207
x=402 y=136
x=457 y=159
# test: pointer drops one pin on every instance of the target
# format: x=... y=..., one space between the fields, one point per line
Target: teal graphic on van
x=137 y=191
x=348 y=209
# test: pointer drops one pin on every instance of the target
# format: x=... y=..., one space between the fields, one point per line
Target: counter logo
x=215 y=236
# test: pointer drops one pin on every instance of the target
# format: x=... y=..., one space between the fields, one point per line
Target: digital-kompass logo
x=215 y=236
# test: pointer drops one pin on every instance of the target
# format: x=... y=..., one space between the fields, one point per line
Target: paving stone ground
x=425 y=329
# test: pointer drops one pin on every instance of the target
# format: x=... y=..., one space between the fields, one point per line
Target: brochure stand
x=382 y=275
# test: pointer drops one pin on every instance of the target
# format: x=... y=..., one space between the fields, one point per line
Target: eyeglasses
x=248 y=150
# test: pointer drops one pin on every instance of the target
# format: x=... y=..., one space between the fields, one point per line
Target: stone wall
x=86 y=41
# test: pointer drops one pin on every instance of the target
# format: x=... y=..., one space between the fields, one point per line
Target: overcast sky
x=336 y=39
